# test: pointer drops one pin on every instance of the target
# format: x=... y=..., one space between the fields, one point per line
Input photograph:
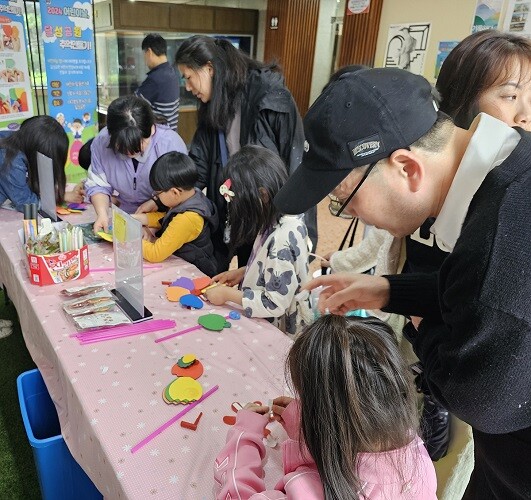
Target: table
x=109 y=395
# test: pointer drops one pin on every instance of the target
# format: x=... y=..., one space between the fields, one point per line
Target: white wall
x=450 y=20
x=324 y=46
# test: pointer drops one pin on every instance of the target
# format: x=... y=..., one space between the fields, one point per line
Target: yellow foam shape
x=174 y=293
x=105 y=236
x=185 y=389
x=188 y=358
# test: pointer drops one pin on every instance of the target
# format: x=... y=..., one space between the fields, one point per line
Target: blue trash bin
x=60 y=476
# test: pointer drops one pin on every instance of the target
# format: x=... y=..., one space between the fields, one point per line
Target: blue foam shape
x=191 y=301
x=234 y=315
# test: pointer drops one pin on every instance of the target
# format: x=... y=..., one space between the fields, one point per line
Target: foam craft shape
x=190 y=300
x=184 y=283
x=174 y=293
x=105 y=236
x=200 y=283
x=183 y=390
x=213 y=322
x=188 y=358
x=195 y=370
x=190 y=425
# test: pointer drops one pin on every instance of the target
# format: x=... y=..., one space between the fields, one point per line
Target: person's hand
x=101 y=224
x=147 y=234
x=279 y=405
x=230 y=278
x=328 y=256
x=216 y=295
x=343 y=292
x=256 y=408
x=77 y=195
x=147 y=206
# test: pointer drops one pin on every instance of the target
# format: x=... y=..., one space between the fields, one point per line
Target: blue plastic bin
x=60 y=476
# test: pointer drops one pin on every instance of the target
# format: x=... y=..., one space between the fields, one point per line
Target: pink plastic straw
x=123 y=331
x=172 y=420
x=182 y=332
x=111 y=269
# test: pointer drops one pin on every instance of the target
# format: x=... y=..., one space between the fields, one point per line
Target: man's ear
x=410 y=166
x=264 y=196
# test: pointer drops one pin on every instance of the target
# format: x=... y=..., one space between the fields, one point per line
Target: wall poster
x=68 y=35
x=16 y=103
x=487 y=16
x=406 y=46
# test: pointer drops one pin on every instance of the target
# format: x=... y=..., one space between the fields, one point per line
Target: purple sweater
x=110 y=171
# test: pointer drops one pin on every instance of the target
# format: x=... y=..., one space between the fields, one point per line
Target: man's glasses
x=335 y=202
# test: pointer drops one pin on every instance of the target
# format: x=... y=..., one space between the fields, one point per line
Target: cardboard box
x=56 y=268
x=59 y=267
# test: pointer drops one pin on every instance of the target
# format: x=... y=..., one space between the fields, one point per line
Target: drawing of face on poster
x=406 y=46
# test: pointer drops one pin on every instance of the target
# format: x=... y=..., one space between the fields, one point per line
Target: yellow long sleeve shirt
x=183 y=228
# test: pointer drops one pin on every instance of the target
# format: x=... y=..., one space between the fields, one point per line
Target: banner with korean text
x=68 y=36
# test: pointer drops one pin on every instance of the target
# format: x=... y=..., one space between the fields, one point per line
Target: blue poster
x=442 y=53
x=68 y=36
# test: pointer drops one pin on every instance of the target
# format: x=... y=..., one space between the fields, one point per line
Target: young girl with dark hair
x=122 y=155
x=278 y=265
x=19 y=179
x=185 y=229
x=241 y=101
x=352 y=429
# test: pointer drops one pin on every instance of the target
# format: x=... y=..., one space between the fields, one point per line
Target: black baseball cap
x=359 y=119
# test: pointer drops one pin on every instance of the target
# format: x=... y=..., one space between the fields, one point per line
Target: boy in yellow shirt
x=185 y=229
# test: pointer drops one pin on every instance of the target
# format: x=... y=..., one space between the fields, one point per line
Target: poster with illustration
x=68 y=36
x=406 y=46
x=15 y=87
x=442 y=53
x=487 y=15
x=517 y=18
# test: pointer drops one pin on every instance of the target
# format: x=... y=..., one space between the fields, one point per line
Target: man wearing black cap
x=377 y=141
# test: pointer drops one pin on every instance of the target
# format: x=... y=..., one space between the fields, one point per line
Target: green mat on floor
x=18 y=476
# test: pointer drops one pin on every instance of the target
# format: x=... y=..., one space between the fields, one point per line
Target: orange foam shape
x=195 y=370
x=174 y=293
x=201 y=283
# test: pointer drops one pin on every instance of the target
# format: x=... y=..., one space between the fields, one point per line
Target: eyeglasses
x=339 y=211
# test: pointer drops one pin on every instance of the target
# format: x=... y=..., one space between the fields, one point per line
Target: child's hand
x=216 y=295
x=256 y=408
x=142 y=218
x=147 y=235
x=147 y=206
x=280 y=403
x=230 y=278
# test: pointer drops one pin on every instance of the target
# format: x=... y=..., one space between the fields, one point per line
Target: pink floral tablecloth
x=109 y=395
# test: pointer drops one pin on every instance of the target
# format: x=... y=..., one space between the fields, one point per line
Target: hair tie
x=225 y=191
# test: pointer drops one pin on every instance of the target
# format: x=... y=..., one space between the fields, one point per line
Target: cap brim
x=306 y=187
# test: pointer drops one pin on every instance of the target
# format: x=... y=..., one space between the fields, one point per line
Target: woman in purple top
x=123 y=154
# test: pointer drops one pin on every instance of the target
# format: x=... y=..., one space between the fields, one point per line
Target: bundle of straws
x=117 y=332
x=70 y=238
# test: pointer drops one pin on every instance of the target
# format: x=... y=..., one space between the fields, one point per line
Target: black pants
x=502 y=468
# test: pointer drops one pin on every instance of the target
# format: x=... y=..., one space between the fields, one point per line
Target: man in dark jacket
x=161 y=87
x=378 y=143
